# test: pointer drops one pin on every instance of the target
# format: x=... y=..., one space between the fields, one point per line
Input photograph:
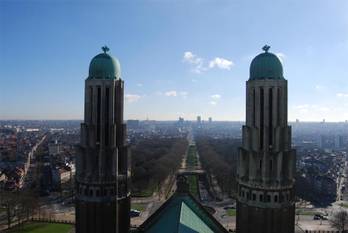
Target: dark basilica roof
x=181 y=213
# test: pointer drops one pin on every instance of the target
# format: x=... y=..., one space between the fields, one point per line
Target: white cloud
x=221 y=63
x=198 y=65
x=302 y=106
x=316 y=112
x=173 y=93
x=170 y=93
x=324 y=109
x=342 y=95
x=319 y=87
x=131 y=98
x=139 y=84
x=195 y=61
x=191 y=58
x=216 y=96
x=214 y=99
x=311 y=108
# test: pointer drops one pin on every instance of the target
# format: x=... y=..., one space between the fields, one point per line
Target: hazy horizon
x=205 y=120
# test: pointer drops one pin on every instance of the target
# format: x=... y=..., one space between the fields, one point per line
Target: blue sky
x=178 y=58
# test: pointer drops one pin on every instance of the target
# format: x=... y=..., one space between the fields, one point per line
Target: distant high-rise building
x=199 y=119
x=54 y=147
x=181 y=122
x=102 y=169
x=297 y=121
x=210 y=120
x=266 y=165
x=339 y=141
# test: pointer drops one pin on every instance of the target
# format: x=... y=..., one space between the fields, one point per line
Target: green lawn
x=192 y=156
x=345 y=205
x=305 y=212
x=146 y=192
x=231 y=212
x=193 y=185
x=138 y=206
x=42 y=228
x=192 y=179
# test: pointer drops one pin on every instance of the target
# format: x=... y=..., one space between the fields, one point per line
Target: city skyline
x=193 y=57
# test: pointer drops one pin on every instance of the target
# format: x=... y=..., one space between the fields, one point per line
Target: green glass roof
x=266 y=66
x=104 y=66
x=190 y=222
x=181 y=214
x=179 y=218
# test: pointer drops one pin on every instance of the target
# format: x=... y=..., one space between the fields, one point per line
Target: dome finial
x=104 y=66
x=105 y=49
x=266 y=48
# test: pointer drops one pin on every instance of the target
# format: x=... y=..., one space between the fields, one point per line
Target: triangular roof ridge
x=197 y=208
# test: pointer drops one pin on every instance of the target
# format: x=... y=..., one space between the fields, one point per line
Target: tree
x=29 y=204
x=339 y=220
x=219 y=159
x=10 y=202
x=153 y=160
x=18 y=205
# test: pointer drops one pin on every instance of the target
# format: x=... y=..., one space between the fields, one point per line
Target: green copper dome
x=103 y=66
x=266 y=66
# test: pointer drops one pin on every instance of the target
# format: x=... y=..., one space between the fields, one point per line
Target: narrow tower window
x=254 y=105
x=98 y=114
x=107 y=102
x=270 y=116
x=90 y=104
x=261 y=117
x=278 y=106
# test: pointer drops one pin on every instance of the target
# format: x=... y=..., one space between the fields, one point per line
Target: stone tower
x=266 y=163
x=102 y=164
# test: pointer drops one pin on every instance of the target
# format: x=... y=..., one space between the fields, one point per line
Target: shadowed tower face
x=266 y=164
x=102 y=169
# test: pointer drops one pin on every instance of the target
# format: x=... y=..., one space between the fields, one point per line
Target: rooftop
x=104 y=66
x=266 y=66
